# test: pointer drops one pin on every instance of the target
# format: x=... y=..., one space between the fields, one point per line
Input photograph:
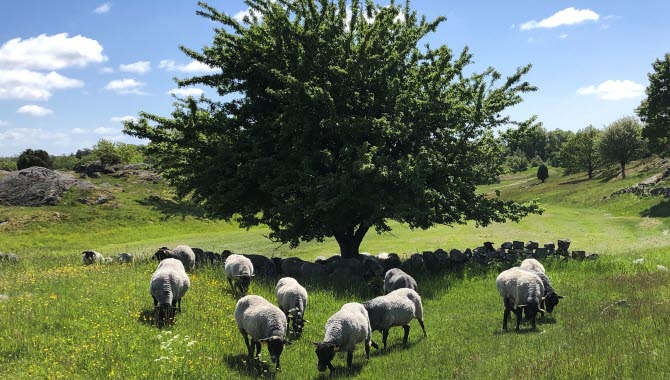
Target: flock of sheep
x=524 y=289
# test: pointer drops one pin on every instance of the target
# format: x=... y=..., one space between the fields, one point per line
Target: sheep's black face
x=275 y=347
x=89 y=256
x=298 y=323
x=162 y=254
x=245 y=281
x=325 y=352
x=551 y=301
x=531 y=310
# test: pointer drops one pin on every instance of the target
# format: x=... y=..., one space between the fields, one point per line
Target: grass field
x=64 y=320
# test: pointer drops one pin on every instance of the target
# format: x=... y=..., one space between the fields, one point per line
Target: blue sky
x=70 y=70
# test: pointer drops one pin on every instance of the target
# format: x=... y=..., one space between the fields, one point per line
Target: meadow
x=61 y=319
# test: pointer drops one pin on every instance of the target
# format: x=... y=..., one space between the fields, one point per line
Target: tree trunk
x=623 y=170
x=350 y=241
x=590 y=170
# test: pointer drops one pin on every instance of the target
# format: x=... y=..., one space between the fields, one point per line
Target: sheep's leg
x=532 y=321
x=385 y=335
x=232 y=287
x=517 y=312
x=248 y=344
x=155 y=301
x=423 y=328
x=404 y=339
x=258 y=350
x=350 y=358
x=508 y=309
x=367 y=351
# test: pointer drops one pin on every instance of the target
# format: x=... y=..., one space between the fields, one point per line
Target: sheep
x=532 y=265
x=239 y=270
x=550 y=297
x=397 y=308
x=183 y=253
x=9 y=258
x=168 y=285
x=124 y=258
x=396 y=279
x=292 y=300
x=92 y=257
x=521 y=291
x=344 y=329
x=265 y=323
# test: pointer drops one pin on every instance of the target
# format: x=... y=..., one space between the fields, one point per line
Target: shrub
x=65 y=162
x=7 y=164
x=517 y=162
x=37 y=157
x=542 y=173
x=536 y=161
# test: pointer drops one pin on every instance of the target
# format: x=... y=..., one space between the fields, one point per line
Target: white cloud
x=191 y=67
x=239 y=16
x=563 y=36
x=107 y=70
x=30 y=85
x=106 y=131
x=103 y=8
x=568 y=16
x=614 y=90
x=34 y=110
x=50 y=52
x=121 y=119
x=125 y=86
x=186 y=92
x=78 y=131
x=3 y=123
x=28 y=136
x=139 y=67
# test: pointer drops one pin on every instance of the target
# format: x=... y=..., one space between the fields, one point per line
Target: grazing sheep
x=124 y=258
x=199 y=257
x=344 y=330
x=291 y=266
x=396 y=279
x=239 y=270
x=372 y=268
x=532 y=265
x=9 y=258
x=265 y=323
x=397 y=308
x=550 y=298
x=263 y=265
x=92 y=257
x=292 y=300
x=521 y=291
x=168 y=285
x=183 y=253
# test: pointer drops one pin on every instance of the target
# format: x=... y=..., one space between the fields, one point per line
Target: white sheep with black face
x=532 y=265
x=264 y=323
x=168 y=286
x=396 y=279
x=239 y=271
x=183 y=253
x=292 y=300
x=522 y=291
x=344 y=330
x=397 y=308
x=550 y=298
x=92 y=257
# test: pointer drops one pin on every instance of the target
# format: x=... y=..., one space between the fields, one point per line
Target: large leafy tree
x=580 y=152
x=34 y=157
x=334 y=121
x=621 y=142
x=654 y=111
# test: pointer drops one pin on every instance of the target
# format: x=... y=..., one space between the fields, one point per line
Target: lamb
x=240 y=271
x=521 y=291
x=124 y=258
x=292 y=300
x=92 y=257
x=397 y=308
x=344 y=329
x=168 y=285
x=183 y=253
x=550 y=298
x=265 y=323
x=396 y=279
x=532 y=265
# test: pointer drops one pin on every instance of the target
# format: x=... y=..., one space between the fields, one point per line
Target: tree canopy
x=621 y=142
x=334 y=120
x=34 y=157
x=580 y=152
x=655 y=109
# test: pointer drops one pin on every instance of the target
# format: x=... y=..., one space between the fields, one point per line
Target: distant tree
x=37 y=157
x=654 y=111
x=342 y=123
x=81 y=153
x=516 y=162
x=65 y=162
x=580 y=152
x=555 y=141
x=621 y=142
x=542 y=173
x=531 y=141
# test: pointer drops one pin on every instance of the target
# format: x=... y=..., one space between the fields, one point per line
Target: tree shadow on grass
x=241 y=364
x=172 y=207
x=660 y=210
x=574 y=181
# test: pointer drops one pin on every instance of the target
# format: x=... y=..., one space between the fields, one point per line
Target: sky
x=72 y=70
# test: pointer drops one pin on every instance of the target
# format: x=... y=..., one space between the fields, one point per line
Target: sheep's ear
x=306 y=321
x=560 y=297
x=316 y=344
x=286 y=341
x=521 y=306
